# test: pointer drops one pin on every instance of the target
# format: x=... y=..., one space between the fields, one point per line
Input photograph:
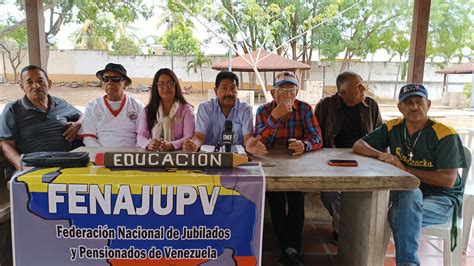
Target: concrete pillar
x=472 y=91
x=36 y=35
x=419 y=34
x=363 y=228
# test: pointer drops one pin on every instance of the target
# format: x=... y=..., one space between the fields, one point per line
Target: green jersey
x=434 y=147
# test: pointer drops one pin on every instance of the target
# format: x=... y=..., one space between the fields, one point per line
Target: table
x=364 y=198
x=94 y=215
x=365 y=191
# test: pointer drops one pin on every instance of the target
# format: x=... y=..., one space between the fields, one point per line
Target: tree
x=14 y=45
x=68 y=11
x=399 y=45
x=366 y=19
x=91 y=36
x=125 y=45
x=180 y=41
x=199 y=61
x=449 y=28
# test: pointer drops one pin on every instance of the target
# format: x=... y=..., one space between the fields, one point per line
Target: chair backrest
x=465 y=170
x=467 y=136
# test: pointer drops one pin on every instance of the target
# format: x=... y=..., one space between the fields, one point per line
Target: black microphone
x=228 y=136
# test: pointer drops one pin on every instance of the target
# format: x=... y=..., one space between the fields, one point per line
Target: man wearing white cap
x=428 y=150
x=290 y=124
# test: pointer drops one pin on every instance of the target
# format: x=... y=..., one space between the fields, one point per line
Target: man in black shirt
x=38 y=121
x=345 y=117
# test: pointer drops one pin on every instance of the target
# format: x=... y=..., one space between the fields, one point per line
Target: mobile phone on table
x=337 y=162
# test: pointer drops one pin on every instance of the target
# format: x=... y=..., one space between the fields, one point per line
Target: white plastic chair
x=468 y=215
x=444 y=230
x=467 y=137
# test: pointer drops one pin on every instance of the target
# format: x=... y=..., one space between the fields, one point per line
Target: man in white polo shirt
x=112 y=120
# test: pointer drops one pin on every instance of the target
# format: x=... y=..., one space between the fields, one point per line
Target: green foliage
x=19 y=37
x=180 y=41
x=467 y=90
x=125 y=46
x=92 y=35
x=106 y=14
x=14 y=44
x=450 y=28
x=198 y=62
x=404 y=70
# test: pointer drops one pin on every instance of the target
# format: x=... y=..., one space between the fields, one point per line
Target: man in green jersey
x=427 y=149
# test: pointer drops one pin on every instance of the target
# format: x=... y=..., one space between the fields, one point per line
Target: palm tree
x=399 y=45
x=199 y=61
x=88 y=37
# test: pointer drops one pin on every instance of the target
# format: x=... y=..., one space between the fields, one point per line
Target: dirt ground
x=81 y=95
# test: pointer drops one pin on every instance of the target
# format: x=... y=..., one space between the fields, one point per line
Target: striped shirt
x=300 y=124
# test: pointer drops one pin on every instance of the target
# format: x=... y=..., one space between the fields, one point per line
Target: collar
x=115 y=112
x=29 y=106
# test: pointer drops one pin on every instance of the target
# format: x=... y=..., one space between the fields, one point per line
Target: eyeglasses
x=286 y=90
x=169 y=85
x=113 y=79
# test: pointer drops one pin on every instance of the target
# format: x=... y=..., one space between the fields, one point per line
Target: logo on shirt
x=132 y=115
x=178 y=119
x=413 y=163
x=100 y=116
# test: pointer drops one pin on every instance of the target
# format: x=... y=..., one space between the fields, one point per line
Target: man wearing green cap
x=428 y=150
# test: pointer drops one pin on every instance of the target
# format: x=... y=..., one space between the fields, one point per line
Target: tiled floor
x=318 y=249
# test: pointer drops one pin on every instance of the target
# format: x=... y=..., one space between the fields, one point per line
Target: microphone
x=228 y=136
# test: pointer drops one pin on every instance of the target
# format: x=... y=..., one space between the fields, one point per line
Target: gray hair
x=342 y=77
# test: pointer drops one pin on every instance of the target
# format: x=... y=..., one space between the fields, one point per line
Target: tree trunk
x=345 y=63
x=202 y=82
x=15 y=74
x=396 y=80
x=370 y=70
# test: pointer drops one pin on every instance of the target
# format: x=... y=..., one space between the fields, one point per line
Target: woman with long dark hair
x=168 y=119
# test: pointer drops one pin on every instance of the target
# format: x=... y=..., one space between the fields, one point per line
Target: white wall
x=87 y=63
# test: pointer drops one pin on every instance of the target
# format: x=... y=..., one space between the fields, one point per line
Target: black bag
x=55 y=158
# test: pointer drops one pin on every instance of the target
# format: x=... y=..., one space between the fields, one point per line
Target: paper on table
x=239 y=149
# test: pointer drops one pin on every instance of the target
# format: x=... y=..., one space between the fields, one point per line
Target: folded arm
x=441 y=177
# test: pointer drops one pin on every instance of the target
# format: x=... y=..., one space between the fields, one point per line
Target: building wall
x=81 y=66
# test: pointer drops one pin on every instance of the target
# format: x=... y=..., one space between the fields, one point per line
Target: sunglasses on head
x=113 y=79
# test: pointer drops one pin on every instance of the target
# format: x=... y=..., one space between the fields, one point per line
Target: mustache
x=229 y=97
